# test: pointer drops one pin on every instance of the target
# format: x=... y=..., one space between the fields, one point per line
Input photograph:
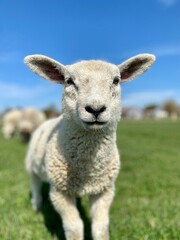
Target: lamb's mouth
x=95 y=123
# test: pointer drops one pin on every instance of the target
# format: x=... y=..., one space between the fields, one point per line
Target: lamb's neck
x=83 y=144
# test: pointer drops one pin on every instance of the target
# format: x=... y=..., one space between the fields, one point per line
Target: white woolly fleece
x=72 y=159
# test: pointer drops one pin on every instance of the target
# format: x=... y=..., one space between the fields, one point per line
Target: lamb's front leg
x=100 y=205
x=65 y=205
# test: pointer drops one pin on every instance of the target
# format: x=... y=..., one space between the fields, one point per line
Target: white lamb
x=77 y=153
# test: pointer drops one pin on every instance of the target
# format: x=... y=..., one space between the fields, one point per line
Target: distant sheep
x=31 y=118
x=10 y=123
x=22 y=122
x=77 y=152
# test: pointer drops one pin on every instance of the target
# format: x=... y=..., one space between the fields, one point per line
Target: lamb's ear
x=46 y=67
x=135 y=66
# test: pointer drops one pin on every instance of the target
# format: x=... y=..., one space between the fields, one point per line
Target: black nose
x=95 y=111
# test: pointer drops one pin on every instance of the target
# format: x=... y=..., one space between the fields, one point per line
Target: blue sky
x=69 y=31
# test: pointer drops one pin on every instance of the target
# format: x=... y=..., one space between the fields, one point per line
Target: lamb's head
x=92 y=90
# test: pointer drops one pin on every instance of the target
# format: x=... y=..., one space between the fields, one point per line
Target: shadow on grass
x=53 y=221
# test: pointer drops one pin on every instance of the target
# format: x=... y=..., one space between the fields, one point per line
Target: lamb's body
x=35 y=159
x=74 y=160
x=77 y=152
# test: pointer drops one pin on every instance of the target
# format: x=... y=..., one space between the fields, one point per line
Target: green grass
x=147 y=202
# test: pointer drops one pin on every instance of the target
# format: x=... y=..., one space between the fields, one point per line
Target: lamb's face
x=91 y=88
x=92 y=94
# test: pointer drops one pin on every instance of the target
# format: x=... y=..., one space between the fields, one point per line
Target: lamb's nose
x=95 y=111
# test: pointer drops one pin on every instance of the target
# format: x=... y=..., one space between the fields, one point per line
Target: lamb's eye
x=116 y=80
x=70 y=81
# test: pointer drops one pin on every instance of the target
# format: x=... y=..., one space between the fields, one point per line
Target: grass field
x=147 y=202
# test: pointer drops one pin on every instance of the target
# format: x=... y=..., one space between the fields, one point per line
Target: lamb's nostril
x=95 y=111
x=89 y=109
x=102 y=109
